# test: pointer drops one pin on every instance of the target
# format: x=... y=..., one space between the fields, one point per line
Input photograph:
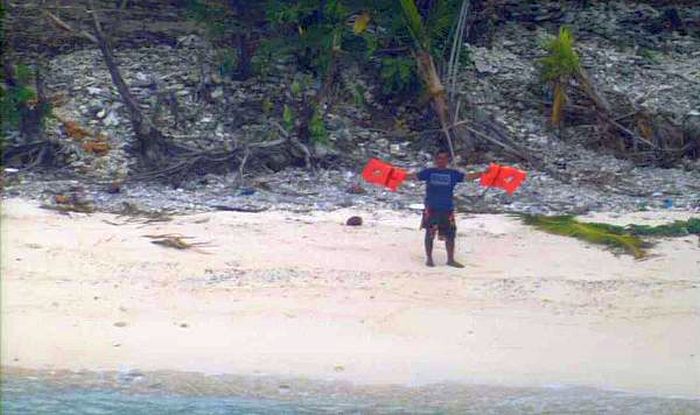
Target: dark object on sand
x=354 y=221
x=356 y=189
x=239 y=208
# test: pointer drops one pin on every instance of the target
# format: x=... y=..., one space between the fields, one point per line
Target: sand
x=287 y=294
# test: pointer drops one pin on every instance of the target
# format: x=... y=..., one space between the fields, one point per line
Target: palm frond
x=440 y=22
x=562 y=60
x=414 y=23
x=596 y=233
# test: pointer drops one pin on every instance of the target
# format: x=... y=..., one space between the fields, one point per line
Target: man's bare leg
x=429 y=236
x=450 y=246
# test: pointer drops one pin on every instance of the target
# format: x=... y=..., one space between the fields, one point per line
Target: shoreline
x=167 y=392
x=268 y=386
x=349 y=304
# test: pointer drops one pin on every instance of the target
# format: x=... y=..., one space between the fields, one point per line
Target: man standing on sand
x=438 y=216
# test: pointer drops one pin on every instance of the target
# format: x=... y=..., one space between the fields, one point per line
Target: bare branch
x=65 y=26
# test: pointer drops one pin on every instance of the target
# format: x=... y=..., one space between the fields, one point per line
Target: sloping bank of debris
x=167 y=80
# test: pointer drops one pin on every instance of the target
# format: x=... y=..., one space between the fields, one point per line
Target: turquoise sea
x=138 y=394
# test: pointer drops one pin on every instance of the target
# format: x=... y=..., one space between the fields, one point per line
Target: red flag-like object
x=503 y=177
x=383 y=174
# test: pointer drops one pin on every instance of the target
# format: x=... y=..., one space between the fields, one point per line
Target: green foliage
x=311 y=34
x=432 y=33
x=465 y=57
x=675 y=228
x=227 y=62
x=562 y=60
x=414 y=24
x=14 y=99
x=317 y=128
x=295 y=88
x=212 y=16
x=288 y=118
x=624 y=237
x=263 y=57
x=267 y=105
x=23 y=73
x=358 y=95
x=650 y=56
x=440 y=23
x=398 y=75
x=596 y=233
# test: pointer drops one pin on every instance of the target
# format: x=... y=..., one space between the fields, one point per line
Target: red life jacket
x=383 y=174
x=489 y=178
x=510 y=179
x=503 y=177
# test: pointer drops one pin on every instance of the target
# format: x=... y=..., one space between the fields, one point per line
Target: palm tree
x=424 y=33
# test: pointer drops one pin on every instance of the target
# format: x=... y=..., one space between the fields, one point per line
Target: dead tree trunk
x=151 y=142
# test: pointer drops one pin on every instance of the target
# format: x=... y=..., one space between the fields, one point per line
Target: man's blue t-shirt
x=440 y=184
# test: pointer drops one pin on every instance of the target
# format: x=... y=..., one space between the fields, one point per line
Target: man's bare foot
x=430 y=262
x=455 y=264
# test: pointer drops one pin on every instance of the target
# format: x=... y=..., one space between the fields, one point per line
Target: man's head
x=442 y=159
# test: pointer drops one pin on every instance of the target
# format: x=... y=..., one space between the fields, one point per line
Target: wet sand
x=285 y=294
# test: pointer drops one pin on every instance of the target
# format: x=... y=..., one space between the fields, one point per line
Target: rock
x=354 y=221
x=356 y=189
x=111 y=120
x=320 y=150
x=217 y=93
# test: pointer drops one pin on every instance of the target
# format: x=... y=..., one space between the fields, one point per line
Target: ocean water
x=34 y=395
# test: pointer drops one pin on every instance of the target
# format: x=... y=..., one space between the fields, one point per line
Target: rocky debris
x=503 y=82
x=597 y=184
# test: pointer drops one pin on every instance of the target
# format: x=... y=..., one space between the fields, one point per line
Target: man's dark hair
x=443 y=151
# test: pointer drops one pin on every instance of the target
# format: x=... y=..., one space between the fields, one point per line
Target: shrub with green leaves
x=212 y=16
x=20 y=100
x=398 y=75
x=317 y=128
x=288 y=118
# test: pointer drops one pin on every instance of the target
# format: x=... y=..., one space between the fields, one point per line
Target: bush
x=398 y=75
x=20 y=100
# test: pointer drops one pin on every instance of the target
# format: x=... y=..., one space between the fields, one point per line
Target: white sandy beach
x=303 y=295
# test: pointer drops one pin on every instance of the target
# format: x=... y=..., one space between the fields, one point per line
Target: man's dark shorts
x=440 y=222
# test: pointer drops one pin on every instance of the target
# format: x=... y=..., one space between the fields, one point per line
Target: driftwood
x=177 y=241
x=78 y=208
x=239 y=208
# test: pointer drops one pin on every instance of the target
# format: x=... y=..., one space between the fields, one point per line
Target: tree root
x=32 y=154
